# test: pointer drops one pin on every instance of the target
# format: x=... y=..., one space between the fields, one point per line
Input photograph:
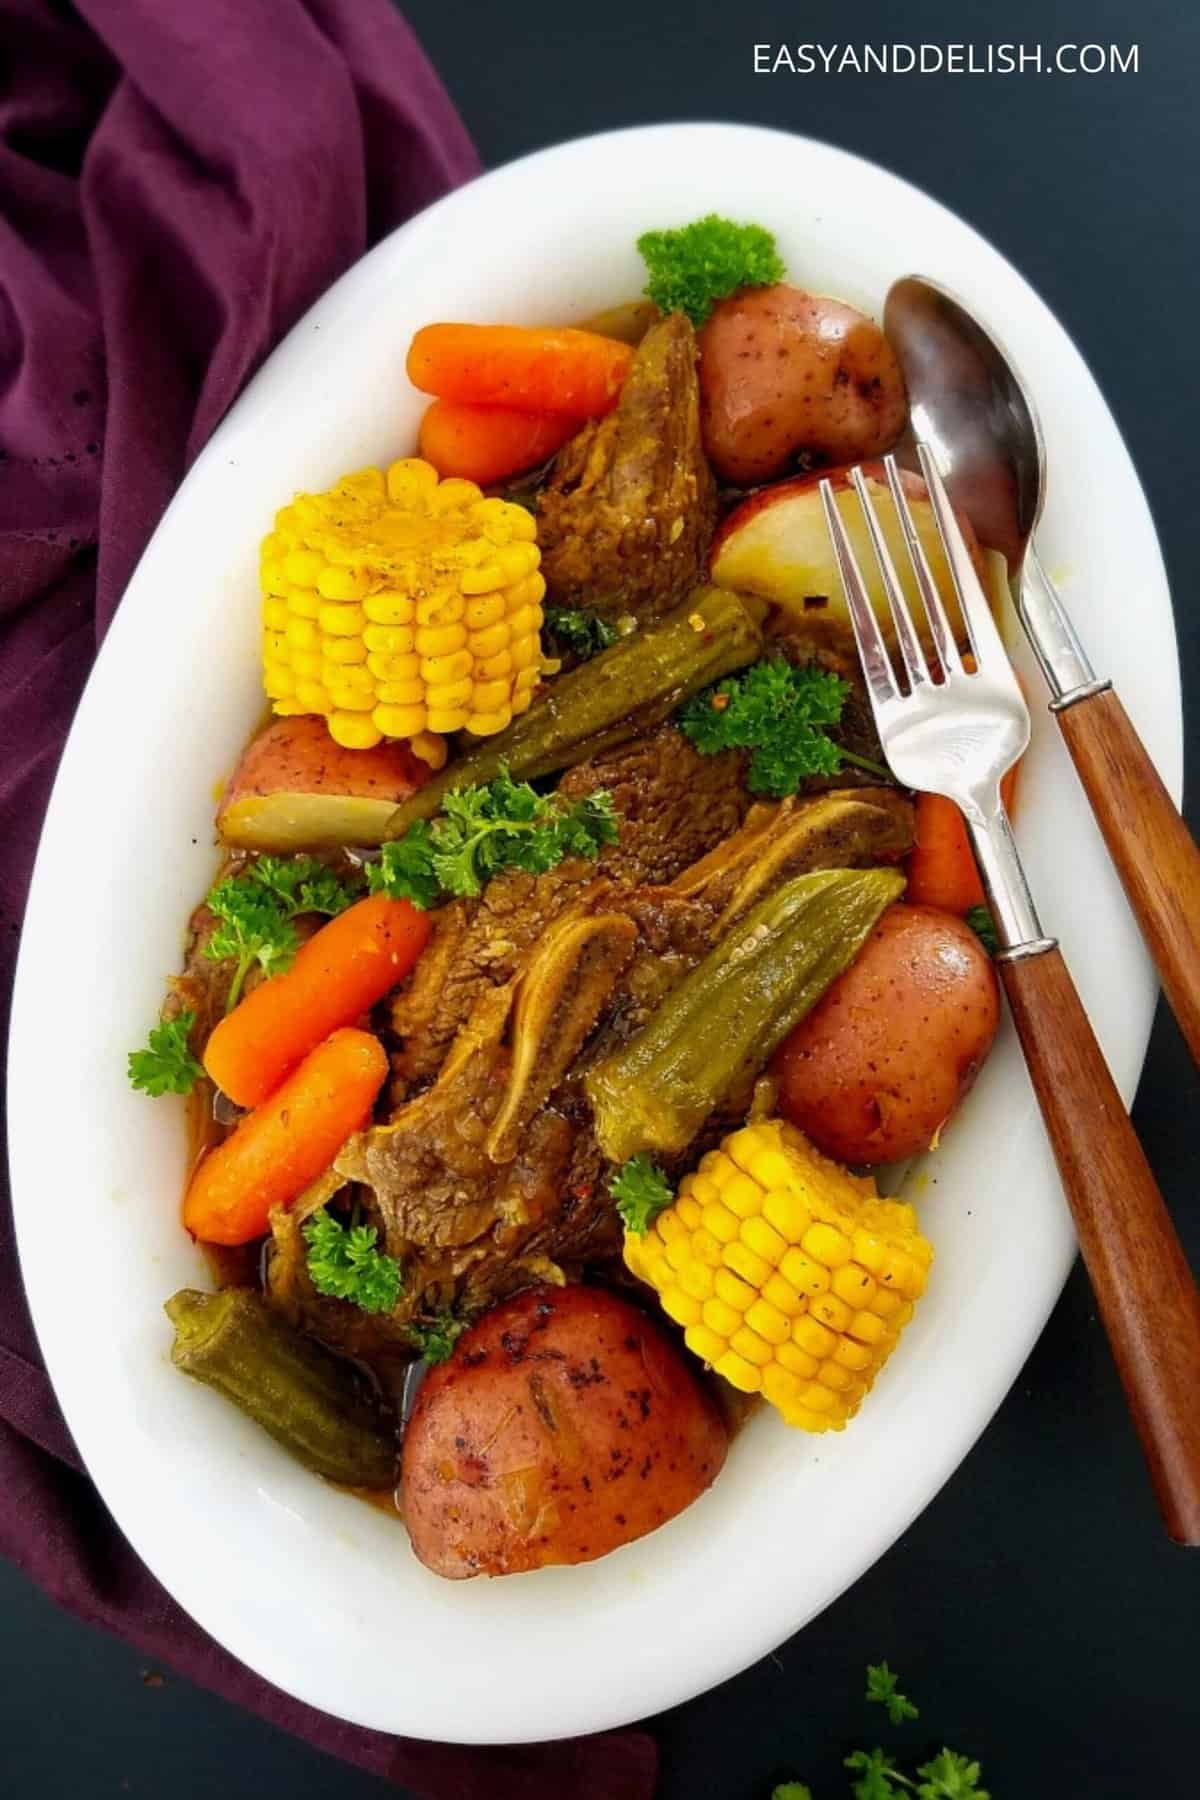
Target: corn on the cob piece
x=401 y=606
x=789 y=1275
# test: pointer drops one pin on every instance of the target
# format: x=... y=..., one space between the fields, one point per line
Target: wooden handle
x=1144 y=1288
x=1155 y=854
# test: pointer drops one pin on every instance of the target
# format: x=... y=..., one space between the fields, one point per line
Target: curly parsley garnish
x=435 y=1338
x=344 y=1263
x=641 y=1192
x=482 y=831
x=781 y=714
x=586 y=633
x=882 y=1689
x=255 y=910
x=984 y=926
x=166 y=1065
x=693 y=266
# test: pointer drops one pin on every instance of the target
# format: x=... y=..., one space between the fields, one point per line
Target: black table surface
x=1035 y=1609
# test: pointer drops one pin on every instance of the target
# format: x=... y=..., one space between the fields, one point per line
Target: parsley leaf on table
x=879 y=1778
x=950 y=1777
x=344 y=1263
x=166 y=1065
x=881 y=1687
x=483 y=830
x=781 y=714
x=791 y=1790
x=435 y=1338
x=641 y=1192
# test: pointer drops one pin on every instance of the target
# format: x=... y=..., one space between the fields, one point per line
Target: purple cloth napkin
x=178 y=182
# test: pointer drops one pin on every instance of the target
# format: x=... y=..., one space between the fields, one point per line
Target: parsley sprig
x=481 y=831
x=641 y=1192
x=980 y=920
x=435 y=1338
x=881 y=1688
x=782 y=715
x=344 y=1263
x=586 y=633
x=166 y=1065
x=877 y=1776
x=255 y=912
x=693 y=266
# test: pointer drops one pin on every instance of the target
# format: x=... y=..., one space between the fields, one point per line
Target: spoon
x=968 y=403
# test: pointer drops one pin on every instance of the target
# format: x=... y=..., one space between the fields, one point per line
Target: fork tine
x=910 y=643
x=939 y=625
x=985 y=637
x=877 y=667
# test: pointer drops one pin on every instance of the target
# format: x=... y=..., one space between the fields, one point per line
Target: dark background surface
x=1035 y=1610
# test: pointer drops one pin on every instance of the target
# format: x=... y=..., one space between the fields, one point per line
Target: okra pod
x=724 y=1020
x=312 y=1402
x=604 y=702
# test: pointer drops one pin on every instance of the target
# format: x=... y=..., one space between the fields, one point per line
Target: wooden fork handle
x=1144 y=1288
x=1154 y=852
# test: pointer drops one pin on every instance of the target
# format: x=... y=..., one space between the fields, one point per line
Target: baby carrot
x=550 y=370
x=283 y=1145
x=941 y=868
x=337 y=976
x=489 y=443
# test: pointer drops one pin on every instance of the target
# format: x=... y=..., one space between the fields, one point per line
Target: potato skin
x=565 y=1424
x=882 y=1061
x=782 y=371
x=295 y=789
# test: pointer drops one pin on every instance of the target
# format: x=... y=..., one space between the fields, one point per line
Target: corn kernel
x=390 y=607
x=409 y=692
x=341 y=619
x=412 y=481
x=342 y=584
x=786 y=1211
x=302 y=568
x=490 y=641
x=798 y=1361
x=485 y=724
x=852 y=1284
x=489 y=667
x=768 y=1322
x=742 y=1260
x=390 y=640
x=781 y=1388
x=704 y=1342
x=866 y=1328
x=720 y=1317
x=825 y=1244
x=831 y=1374
x=764 y=1240
x=681 y=1306
x=302 y=634
x=344 y=651
x=278 y=681
x=732 y=1289
x=809 y=1334
x=307 y=664
x=747 y=1343
x=354 y=731
x=738 y=1372
x=303 y=603
x=742 y=1195
x=718 y=1219
x=275 y=614
x=706 y=1248
x=831 y=1311
x=783 y=1295
x=696 y=1278
x=312 y=695
x=431 y=748
x=805 y=1275
x=400 y=721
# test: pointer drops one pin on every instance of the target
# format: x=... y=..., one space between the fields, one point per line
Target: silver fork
x=957 y=735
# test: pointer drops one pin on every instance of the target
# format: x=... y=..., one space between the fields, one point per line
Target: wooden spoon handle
x=1155 y=854
x=1144 y=1288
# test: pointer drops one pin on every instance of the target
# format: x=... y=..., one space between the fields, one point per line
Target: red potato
x=783 y=371
x=295 y=789
x=565 y=1424
x=775 y=544
x=873 y=1073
